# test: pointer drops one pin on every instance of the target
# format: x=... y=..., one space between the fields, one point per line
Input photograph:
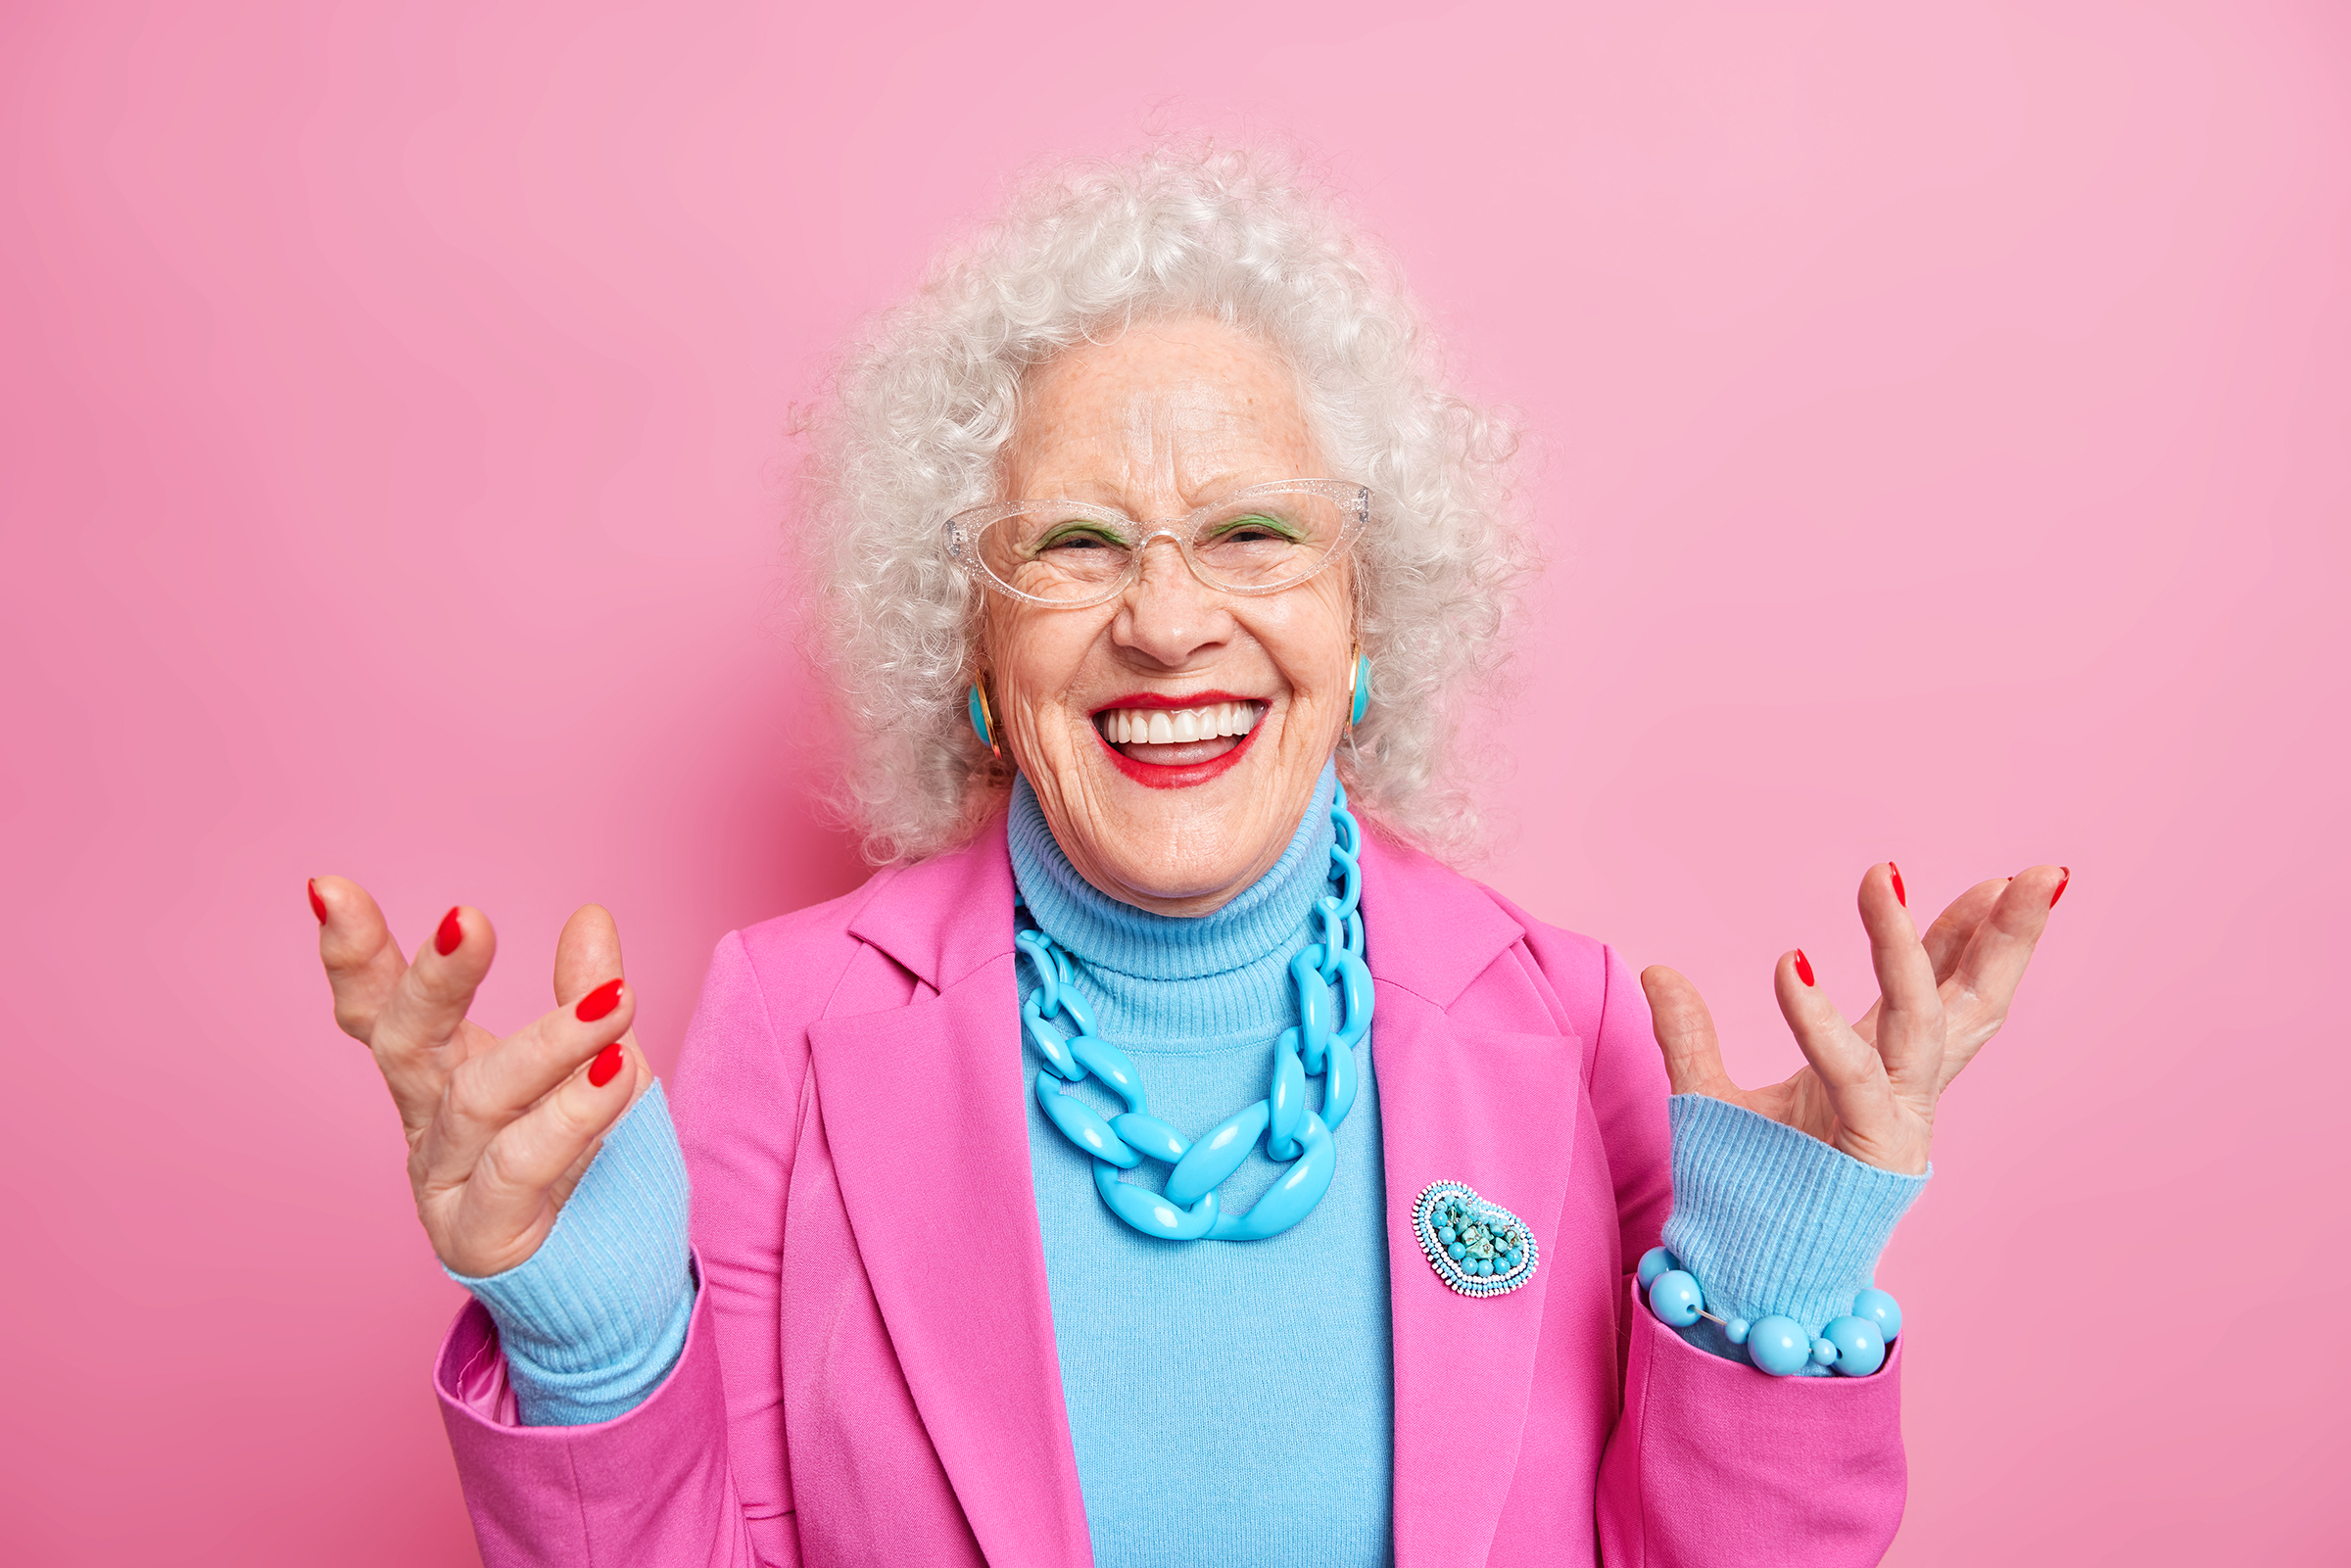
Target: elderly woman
x=1167 y=1159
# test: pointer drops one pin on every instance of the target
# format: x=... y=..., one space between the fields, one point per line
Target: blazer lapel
x=1486 y=1106
x=926 y=1115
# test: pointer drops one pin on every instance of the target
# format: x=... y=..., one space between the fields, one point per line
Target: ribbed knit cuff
x=592 y=1322
x=1772 y=1220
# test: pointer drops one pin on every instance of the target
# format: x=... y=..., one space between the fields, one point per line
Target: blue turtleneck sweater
x=1196 y=1375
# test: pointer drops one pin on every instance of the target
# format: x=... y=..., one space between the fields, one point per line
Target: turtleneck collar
x=1268 y=915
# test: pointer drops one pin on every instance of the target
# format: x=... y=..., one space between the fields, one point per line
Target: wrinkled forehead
x=1158 y=420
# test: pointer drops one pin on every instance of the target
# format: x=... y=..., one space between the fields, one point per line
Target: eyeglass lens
x=1057 y=551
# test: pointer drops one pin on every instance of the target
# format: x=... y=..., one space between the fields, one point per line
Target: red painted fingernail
x=599 y=1002
x=318 y=904
x=606 y=1063
x=1901 y=897
x=451 y=936
x=1803 y=966
x=2061 y=881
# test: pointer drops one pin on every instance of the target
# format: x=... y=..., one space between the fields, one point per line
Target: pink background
x=1941 y=425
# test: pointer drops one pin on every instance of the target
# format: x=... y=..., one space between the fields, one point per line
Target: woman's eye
x=1081 y=538
x=1252 y=531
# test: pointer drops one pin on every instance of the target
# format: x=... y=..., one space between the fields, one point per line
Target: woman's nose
x=1169 y=614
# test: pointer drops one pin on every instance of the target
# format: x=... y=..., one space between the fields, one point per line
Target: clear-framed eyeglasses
x=1073 y=553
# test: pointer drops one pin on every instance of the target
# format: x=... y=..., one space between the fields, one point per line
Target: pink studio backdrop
x=1939 y=422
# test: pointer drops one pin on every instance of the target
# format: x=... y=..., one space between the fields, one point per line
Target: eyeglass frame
x=962 y=536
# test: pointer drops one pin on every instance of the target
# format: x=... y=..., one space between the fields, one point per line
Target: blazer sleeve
x=1711 y=1464
x=695 y=1476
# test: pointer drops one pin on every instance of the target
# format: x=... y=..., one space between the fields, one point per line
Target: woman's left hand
x=1870 y=1088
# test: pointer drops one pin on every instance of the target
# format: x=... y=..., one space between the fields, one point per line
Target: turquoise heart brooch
x=1479 y=1248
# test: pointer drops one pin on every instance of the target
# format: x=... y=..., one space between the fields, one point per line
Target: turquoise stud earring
x=983 y=723
x=1358 y=686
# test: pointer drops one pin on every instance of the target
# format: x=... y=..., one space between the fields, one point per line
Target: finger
x=1685 y=1032
x=1909 y=1026
x=587 y=954
x=510 y=1204
x=638 y=1075
x=1995 y=963
x=1946 y=940
x=364 y=964
x=561 y=1189
x=1850 y=1073
x=497 y=1087
x=422 y=1019
x=1841 y=1059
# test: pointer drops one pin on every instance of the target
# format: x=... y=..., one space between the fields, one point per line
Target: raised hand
x=498 y=1131
x=1870 y=1088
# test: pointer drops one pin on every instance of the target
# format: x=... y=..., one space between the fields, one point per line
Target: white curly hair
x=924 y=402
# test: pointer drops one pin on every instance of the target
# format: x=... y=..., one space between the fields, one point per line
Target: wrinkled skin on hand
x=498 y=1129
x=1870 y=1088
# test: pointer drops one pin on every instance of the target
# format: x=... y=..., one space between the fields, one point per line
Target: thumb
x=587 y=954
x=1685 y=1034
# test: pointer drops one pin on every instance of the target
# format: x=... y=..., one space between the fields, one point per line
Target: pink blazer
x=870 y=1377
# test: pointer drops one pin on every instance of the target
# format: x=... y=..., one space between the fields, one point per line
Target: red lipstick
x=1155 y=776
x=1183 y=777
x=1153 y=699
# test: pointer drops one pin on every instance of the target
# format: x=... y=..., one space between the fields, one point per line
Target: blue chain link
x=1321 y=1044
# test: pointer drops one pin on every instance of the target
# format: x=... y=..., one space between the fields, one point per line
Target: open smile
x=1176 y=743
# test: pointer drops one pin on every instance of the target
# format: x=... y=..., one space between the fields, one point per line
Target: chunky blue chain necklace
x=1323 y=1043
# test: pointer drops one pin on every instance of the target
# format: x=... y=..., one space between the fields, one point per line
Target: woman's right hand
x=498 y=1131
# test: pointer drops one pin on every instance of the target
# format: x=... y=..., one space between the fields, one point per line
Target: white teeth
x=1167 y=727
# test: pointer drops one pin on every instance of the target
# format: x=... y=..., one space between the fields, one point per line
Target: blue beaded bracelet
x=1854 y=1346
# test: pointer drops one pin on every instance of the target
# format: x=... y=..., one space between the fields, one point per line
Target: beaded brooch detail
x=1478 y=1248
